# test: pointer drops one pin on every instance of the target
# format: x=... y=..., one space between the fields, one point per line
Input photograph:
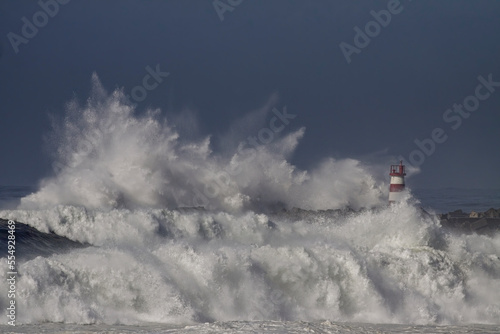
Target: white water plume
x=120 y=176
x=109 y=157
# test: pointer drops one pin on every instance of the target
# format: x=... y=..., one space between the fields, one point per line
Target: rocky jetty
x=479 y=222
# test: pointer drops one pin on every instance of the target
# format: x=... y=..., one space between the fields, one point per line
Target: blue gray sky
x=367 y=95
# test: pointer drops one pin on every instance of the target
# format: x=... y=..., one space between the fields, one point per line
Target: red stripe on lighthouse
x=396 y=187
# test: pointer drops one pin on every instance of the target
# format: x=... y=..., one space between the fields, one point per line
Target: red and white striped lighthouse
x=397 y=182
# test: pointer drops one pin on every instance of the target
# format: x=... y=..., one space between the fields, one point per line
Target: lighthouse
x=397 y=182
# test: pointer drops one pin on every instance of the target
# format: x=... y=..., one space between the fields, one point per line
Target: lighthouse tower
x=397 y=182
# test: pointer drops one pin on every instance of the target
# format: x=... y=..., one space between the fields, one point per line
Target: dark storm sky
x=394 y=90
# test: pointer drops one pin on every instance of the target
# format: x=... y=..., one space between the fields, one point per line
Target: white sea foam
x=391 y=265
x=123 y=174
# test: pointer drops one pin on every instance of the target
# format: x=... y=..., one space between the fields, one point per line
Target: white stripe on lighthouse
x=397 y=180
x=396 y=196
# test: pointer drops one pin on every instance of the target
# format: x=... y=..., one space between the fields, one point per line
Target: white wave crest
x=391 y=265
x=108 y=157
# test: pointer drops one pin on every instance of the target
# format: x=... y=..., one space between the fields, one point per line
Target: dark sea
x=444 y=200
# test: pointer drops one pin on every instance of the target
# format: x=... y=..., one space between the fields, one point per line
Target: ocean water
x=140 y=230
x=390 y=269
x=442 y=200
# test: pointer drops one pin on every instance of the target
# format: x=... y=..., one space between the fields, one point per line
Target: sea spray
x=109 y=156
x=390 y=265
x=247 y=255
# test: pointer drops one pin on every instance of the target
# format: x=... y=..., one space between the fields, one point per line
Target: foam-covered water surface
x=243 y=327
x=392 y=265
